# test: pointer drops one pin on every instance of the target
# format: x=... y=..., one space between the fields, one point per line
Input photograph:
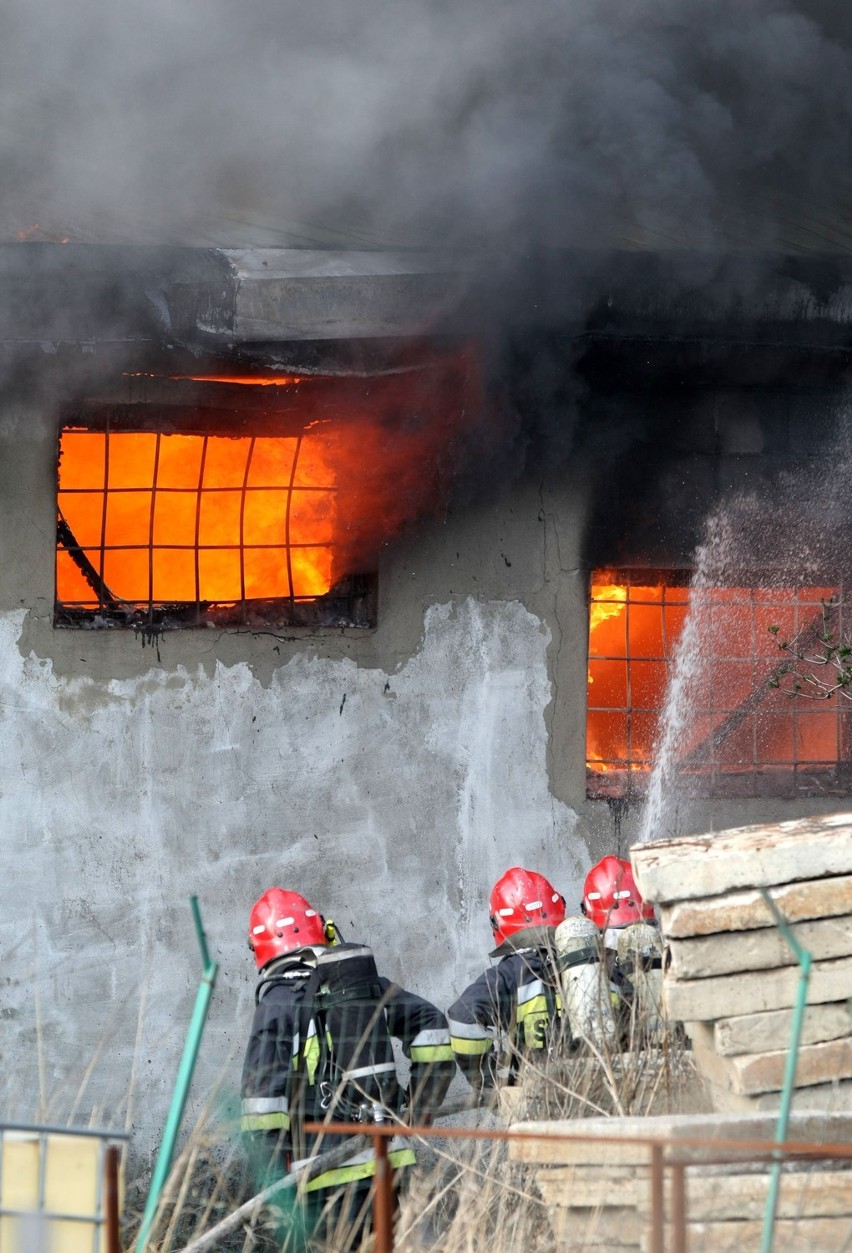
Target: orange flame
x=737 y=655
x=303 y=510
x=244 y=380
x=608 y=601
x=173 y=518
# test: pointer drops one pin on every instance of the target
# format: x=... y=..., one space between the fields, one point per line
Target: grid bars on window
x=148 y=519
x=740 y=722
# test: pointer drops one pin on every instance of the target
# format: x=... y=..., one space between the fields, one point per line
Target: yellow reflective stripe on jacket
x=265 y=1113
x=399 y=1159
x=470 y=1038
x=533 y=1016
x=471 y=1048
x=424 y=1053
x=265 y=1122
x=432 y=1044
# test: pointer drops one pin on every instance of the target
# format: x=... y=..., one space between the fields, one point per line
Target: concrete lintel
x=216 y=297
x=290 y=294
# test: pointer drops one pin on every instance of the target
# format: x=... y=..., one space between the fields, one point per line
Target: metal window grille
x=169 y=528
x=744 y=736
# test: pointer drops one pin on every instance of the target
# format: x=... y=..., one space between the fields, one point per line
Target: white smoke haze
x=701 y=123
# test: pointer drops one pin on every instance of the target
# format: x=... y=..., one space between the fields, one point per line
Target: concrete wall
x=390 y=775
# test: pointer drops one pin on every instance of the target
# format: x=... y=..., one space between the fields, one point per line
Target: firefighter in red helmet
x=320 y=1049
x=632 y=947
x=517 y=999
x=611 y=897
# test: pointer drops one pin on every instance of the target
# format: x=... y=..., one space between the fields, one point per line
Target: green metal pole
x=803 y=957
x=184 y=1079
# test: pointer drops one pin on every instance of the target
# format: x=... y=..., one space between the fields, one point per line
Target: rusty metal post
x=112 y=1239
x=382 y=1197
x=678 y=1204
x=657 y=1211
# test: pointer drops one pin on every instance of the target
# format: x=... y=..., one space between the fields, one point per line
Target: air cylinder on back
x=640 y=954
x=584 y=982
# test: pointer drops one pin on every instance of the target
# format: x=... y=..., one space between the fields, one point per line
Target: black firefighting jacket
x=274 y=1049
x=514 y=1002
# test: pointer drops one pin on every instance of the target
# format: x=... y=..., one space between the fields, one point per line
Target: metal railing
x=671 y=1154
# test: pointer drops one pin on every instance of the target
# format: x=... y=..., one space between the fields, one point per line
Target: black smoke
x=708 y=124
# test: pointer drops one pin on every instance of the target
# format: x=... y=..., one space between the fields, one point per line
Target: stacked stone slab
x=732 y=978
x=597 y=1192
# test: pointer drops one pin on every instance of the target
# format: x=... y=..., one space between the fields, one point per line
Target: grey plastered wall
x=391 y=775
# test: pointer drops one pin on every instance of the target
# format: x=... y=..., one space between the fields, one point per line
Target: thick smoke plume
x=701 y=123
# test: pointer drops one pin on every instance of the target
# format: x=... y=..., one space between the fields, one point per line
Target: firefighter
x=611 y=898
x=293 y=1072
x=516 y=1000
x=633 y=949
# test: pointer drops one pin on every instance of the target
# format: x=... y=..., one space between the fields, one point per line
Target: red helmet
x=281 y=922
x=611 y=897
x=523 y=898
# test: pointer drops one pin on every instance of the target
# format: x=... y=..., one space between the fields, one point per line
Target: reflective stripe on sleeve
x=265 y=1122
x=469 y=1030
x=265 y=1113
x=264 y=1105
x=432 y=1045
x=435 y=1035
x=470 y=1038
x=471 y=1048
x=425 y=1053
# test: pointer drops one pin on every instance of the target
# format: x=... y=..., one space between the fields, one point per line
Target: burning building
x=357 y=574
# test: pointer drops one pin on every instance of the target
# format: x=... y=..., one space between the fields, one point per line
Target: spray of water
x=688 y=664
x=796 y=532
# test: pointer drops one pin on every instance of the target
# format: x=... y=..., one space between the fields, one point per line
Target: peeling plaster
x=393 y=810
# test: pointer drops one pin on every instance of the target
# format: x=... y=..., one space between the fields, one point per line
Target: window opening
x=229 y=499
x=744 y=735
x=150 y=521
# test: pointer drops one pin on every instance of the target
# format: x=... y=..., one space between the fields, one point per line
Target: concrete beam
x=752 y=1073
x=834 y=1098
x=705 y=1000
x=793 y=1235
x=706 y=956
x=231 y=297
x=804 y=1193
x=210 y=297
x=745 y=911
x=288 y=294
x=600 y=1150
x=746 y=857
x=756 y=1033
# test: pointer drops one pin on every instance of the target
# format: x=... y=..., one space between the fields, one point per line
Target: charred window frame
x=93 y=586
x=746 y=737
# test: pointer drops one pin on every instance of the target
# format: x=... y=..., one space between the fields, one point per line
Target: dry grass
x=465 y=1196
x=473 y=1200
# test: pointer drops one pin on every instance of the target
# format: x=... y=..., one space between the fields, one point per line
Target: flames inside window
x=253 y=504
x=743 y=734
x=154 y=519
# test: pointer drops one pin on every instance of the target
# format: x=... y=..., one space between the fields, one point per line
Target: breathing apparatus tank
x=640 y=962
x=584 y=982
